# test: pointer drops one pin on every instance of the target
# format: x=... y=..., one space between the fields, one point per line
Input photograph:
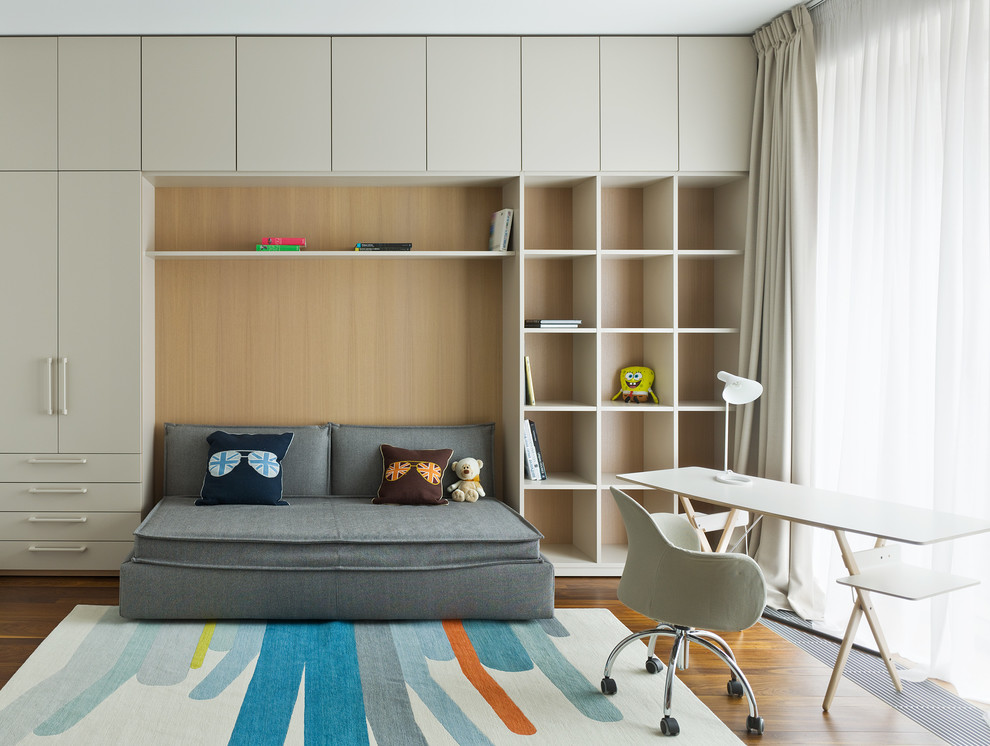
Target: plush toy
x=468 y=487
x=636 y=385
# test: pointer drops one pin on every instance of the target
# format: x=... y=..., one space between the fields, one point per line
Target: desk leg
x=864 y=606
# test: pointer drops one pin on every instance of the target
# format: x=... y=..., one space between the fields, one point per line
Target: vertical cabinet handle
x=51 y=403
x=65 y=385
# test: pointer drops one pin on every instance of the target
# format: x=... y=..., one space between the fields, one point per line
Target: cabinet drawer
x=69 y=556
x=70 y=467
x=68 y=526
x=113 y=496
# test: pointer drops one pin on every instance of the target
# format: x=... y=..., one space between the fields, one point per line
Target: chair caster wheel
x=754 y=725
x=608 y=686
x=669 y=726
x=653 y=665
x=735 y=688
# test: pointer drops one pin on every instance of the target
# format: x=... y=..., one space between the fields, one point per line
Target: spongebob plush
x=636 y=385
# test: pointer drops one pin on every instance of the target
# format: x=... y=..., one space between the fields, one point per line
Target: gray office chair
x=668 y=578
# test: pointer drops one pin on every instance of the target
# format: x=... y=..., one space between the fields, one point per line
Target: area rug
x=101 y=679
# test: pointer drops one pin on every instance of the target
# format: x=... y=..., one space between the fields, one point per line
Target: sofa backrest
x=355 y=452
x=305 y=468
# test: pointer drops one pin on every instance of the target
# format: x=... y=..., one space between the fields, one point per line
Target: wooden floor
x=789 y=683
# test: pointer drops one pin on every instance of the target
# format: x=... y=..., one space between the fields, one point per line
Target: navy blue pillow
x=244 y=469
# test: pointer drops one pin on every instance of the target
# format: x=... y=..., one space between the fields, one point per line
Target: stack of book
x=382 y=246
x=281 y=243
x=500 y=229
x=535 y=469
x=553 y=323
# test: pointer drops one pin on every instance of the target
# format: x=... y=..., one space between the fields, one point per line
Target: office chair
x=668 y=578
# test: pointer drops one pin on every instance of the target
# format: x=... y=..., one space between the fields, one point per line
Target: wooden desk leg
x=840 y=659
x=864 y=606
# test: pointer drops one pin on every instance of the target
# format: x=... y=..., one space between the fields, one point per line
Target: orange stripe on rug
x=487 y=687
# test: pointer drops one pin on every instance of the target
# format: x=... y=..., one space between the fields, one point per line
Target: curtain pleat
x=773 y=437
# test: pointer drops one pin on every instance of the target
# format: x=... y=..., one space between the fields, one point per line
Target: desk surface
x=815 y=507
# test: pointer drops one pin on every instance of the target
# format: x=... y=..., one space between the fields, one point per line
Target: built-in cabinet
x=188 y=103
x=623 y=158
x=70 y=447
x=379 y=104
x=283 y=103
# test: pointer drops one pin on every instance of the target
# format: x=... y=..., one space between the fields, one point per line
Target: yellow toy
x=468 y=487
x=636 y=385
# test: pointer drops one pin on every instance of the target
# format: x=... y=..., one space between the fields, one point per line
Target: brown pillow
x=412 y=477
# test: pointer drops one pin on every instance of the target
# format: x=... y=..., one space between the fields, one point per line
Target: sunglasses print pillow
x=244 y=469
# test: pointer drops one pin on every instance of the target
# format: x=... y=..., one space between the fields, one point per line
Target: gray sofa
x=331 y=553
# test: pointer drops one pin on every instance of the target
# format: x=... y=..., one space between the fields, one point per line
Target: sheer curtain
x=903 y=299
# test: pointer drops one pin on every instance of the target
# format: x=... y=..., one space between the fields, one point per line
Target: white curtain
x=902 y=363
x=773 y=436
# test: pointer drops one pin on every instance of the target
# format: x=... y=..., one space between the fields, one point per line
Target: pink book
x=283 y=241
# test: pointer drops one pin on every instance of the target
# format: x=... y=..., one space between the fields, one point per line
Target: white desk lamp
x=737 y=391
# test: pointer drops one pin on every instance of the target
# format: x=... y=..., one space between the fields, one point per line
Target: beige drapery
x=773 y=436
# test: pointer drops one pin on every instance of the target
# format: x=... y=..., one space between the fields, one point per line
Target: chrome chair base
x=682 y=637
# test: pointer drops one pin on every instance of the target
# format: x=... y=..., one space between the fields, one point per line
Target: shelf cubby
x=635 y=440
x=637 y=291
x=561 y=288
x=700 y=355
x=561 y=214
x=568 y=521
x=569 y=443
x=701 y=439
x=624 y=349
x=638 y=216
x=563 y=367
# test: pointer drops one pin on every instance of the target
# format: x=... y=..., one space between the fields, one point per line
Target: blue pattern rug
x=100 y=679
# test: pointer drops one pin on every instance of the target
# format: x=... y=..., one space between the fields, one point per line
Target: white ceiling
x=665 y=17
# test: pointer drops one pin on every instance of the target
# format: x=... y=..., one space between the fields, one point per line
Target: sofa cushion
x=412 y=477
x=357 y=462
x=244 y=469
x=305 y=469
x=321 y=533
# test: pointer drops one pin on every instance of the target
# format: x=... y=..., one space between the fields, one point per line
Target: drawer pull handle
x=67 y=519
x=58 y=490
x=34 y=548
x=57 y=460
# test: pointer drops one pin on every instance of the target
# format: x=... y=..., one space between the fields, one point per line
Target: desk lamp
x=737 y=391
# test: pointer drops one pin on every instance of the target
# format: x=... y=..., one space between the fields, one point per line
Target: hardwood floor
x=789 y=683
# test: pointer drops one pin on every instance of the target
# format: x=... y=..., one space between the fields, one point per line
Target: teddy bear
x=468 y=487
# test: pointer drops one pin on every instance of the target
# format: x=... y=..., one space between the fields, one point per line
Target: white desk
x=840 y=513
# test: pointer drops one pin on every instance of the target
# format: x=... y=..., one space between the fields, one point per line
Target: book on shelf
x=382 y=246
x=530 y=462
x=500 y=230
x=539 y=453
x=277 y=247
x=284 y=241
x=552 y=323
x=530 y=391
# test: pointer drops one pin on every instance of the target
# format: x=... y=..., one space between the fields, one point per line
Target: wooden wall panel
x=358 y=340
x=330 y=218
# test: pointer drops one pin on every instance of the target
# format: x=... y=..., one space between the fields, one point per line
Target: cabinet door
x=283 y=103
x=99 y=297
x=639 y=103
x=28 y=307
x=560 y=111
x=187 y=103
x=28 y=103
x=717 y=83
x=473 y=104
x=99 y=103
x=379 y=104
